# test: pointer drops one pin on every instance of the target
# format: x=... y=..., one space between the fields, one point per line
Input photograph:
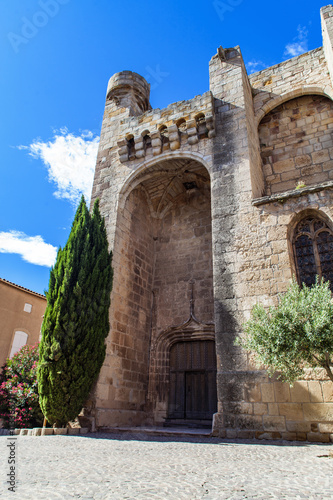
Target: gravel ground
x=139 y=466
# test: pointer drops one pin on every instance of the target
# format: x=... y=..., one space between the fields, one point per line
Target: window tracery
x=313 y=250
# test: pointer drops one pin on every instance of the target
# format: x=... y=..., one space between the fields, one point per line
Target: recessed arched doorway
x=162 y=266
x=192 y=394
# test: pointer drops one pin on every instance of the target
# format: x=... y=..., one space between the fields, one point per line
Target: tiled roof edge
x=22 y=288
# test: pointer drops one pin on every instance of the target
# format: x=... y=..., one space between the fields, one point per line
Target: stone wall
x=296 y=143
x=305 y=74
x=184 y=254
x=21 y=310
x=126 y=379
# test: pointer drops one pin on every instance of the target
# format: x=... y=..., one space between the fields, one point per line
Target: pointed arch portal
x=163 y=263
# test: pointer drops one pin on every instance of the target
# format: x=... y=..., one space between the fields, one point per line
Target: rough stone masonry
x=204 y=220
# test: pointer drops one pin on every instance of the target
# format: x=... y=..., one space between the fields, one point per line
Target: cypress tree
x=76 y=320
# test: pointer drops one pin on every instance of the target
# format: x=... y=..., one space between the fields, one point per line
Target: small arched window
x=313 y=250
x=164 y=136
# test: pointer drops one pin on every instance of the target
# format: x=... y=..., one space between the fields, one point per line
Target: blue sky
x=57 y=57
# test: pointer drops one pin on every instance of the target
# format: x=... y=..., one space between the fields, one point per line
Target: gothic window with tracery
x=313 y=248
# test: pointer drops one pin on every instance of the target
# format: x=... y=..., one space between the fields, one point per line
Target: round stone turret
x=129 y=90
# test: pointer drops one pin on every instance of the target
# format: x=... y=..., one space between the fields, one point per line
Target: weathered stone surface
x=274 y=423
x=318 y=412
x=282 y=392
x=58 y=431
x=47 y=431
x=294 y=411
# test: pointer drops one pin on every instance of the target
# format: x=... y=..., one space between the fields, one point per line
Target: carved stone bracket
x=174 y=138
x=192 y=132
x=156 y=142
x=139 y=147
x=186 y=122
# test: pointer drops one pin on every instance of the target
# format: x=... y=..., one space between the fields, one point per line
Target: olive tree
x=294 y=335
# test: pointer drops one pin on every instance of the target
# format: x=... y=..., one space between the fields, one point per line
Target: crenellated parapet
x=182 y=123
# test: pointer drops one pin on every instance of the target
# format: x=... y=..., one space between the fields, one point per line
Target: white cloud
x=254 y=66
x=32 y=249
x=299 y=44
x=70 y=161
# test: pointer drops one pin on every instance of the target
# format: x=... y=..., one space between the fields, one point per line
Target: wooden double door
x=192 y=380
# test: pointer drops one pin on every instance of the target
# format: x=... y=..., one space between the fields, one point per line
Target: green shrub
x=296 y=334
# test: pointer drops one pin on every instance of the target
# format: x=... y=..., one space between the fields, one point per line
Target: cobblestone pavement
x=119 y=467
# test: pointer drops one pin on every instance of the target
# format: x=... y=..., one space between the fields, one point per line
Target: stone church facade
x=211 y=205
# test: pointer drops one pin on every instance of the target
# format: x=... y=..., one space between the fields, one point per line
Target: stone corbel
x=139 y=147
x=123 y=150
x=192 y=132
x=156 y=142
x=174 y=138
x=210 y=124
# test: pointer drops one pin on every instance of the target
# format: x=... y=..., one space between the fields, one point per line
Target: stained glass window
x=313 y=247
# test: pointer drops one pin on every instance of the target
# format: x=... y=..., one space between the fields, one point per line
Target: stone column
x=236 y=177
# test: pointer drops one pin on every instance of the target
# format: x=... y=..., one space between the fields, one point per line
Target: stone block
x=59 y=431
x=316 y=437
x=289 y=436
x=231 y=433
x=37 y=431
x=245 y=434
x=326 y=427
x=299 y=392
x=282 y=392
x=320 y=156
x=319 y=412
x=303 y=160
x=268 y=435
x=260 y=408
x=327 y=388
x=84 y=430
x=251 y=422
x=298 y=426
x=267 y=393
x=47 y=431
x=315 y=391
x=273 y=409
x=283 y=165
x=73 y=431
x=314 y=426
x=274 y=423
x=292 y=411
x=24 y=432
x=241 y=408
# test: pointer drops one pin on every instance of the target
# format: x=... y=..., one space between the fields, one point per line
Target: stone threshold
x=79 y=431
x=159 y=431
x=295 y=193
